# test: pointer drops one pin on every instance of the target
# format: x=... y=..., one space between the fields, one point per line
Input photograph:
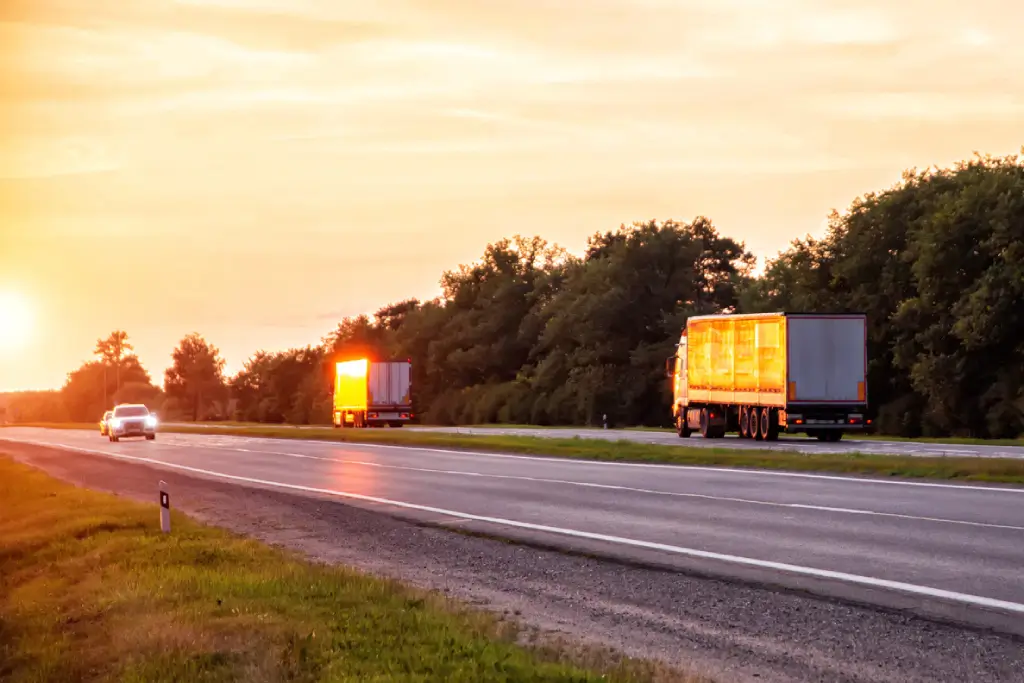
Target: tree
x=88 y=390
x=195 y=379
x=616 y=318
x=112 y=351
x=935 y=263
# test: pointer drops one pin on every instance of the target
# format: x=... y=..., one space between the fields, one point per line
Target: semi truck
x=765 y=374
x=372 y=394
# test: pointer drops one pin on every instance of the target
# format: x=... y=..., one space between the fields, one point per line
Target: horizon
x=258 y=173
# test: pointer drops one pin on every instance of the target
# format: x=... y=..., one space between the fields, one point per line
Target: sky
x=255 y=170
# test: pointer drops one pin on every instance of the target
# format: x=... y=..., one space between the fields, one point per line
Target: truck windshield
x=131 y=411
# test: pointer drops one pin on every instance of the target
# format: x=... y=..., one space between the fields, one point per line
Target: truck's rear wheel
x=772 y=431
x=829 y=435
x=758 y=423
x=744 y=425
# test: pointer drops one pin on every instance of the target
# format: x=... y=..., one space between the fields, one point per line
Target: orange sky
x=256 y=169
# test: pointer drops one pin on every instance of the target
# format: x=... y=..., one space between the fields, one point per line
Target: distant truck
x=765 y=374
x=372 y=394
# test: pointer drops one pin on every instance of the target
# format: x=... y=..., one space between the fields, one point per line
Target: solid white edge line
x=965 y=598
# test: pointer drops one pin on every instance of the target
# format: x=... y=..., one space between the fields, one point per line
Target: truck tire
x=683 y=426
x=744 y=424
x=830 y=435
x=759 y=423
x=773 y=425
x=707 y=430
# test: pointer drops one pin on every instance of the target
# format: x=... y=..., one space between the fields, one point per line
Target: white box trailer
x=372 y=394
x=762 y=374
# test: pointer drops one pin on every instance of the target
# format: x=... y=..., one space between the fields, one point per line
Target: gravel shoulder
x=723 y=630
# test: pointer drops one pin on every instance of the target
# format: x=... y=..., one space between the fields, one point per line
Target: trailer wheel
x=759 y=423
x=744 y=425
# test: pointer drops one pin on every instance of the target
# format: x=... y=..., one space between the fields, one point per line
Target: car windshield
x=131 y=411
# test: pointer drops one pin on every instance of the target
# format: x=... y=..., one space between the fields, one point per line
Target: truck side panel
x=827 y=361
x=350 y=386
x=737 y=361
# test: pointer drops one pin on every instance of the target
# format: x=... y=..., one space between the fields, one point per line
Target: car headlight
x=116 y=423
x=151 y=421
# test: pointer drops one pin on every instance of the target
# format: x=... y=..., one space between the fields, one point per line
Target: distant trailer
x=372 y=394
x=763 y=374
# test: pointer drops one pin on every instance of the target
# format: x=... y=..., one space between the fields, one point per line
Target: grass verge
x=994 y=470
x=90 y=590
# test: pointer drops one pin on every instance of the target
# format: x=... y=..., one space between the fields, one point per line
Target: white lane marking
x=928 y=591
x=616 y=487
x=644 y=465
x=576 y=462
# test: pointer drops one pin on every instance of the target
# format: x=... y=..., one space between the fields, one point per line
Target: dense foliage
x=531 y=334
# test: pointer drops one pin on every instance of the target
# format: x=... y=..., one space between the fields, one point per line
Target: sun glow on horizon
x=16 y=321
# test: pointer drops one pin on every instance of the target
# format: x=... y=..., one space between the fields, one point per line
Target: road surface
x=939 y=549
x=786 y=443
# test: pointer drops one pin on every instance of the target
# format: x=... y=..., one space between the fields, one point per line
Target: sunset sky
x=255 y=170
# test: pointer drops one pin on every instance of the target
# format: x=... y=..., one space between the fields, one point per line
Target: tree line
x=532 y=334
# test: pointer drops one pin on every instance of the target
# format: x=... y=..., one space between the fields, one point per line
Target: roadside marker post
x=165 y=508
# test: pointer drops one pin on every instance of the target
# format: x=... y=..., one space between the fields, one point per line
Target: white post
x=165 y=508
x=605 y=419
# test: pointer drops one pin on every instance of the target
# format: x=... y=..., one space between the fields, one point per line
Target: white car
x=132 y=419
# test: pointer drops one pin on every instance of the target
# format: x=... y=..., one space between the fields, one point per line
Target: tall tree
x=112 y=352
x=935 y=263
x=196 y=377
x=611 y=326
x=88 y=391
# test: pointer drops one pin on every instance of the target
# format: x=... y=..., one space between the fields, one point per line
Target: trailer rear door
x=389 y=384
x=827 y=358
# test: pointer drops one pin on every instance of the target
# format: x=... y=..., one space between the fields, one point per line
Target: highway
x=938 y=549
x=798 y=443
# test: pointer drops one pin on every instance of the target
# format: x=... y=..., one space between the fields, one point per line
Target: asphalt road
x=938 y=549
x=849 y=444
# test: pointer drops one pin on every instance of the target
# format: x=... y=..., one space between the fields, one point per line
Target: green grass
x=1002 y=470
x=950 y=440
x=90 y=590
